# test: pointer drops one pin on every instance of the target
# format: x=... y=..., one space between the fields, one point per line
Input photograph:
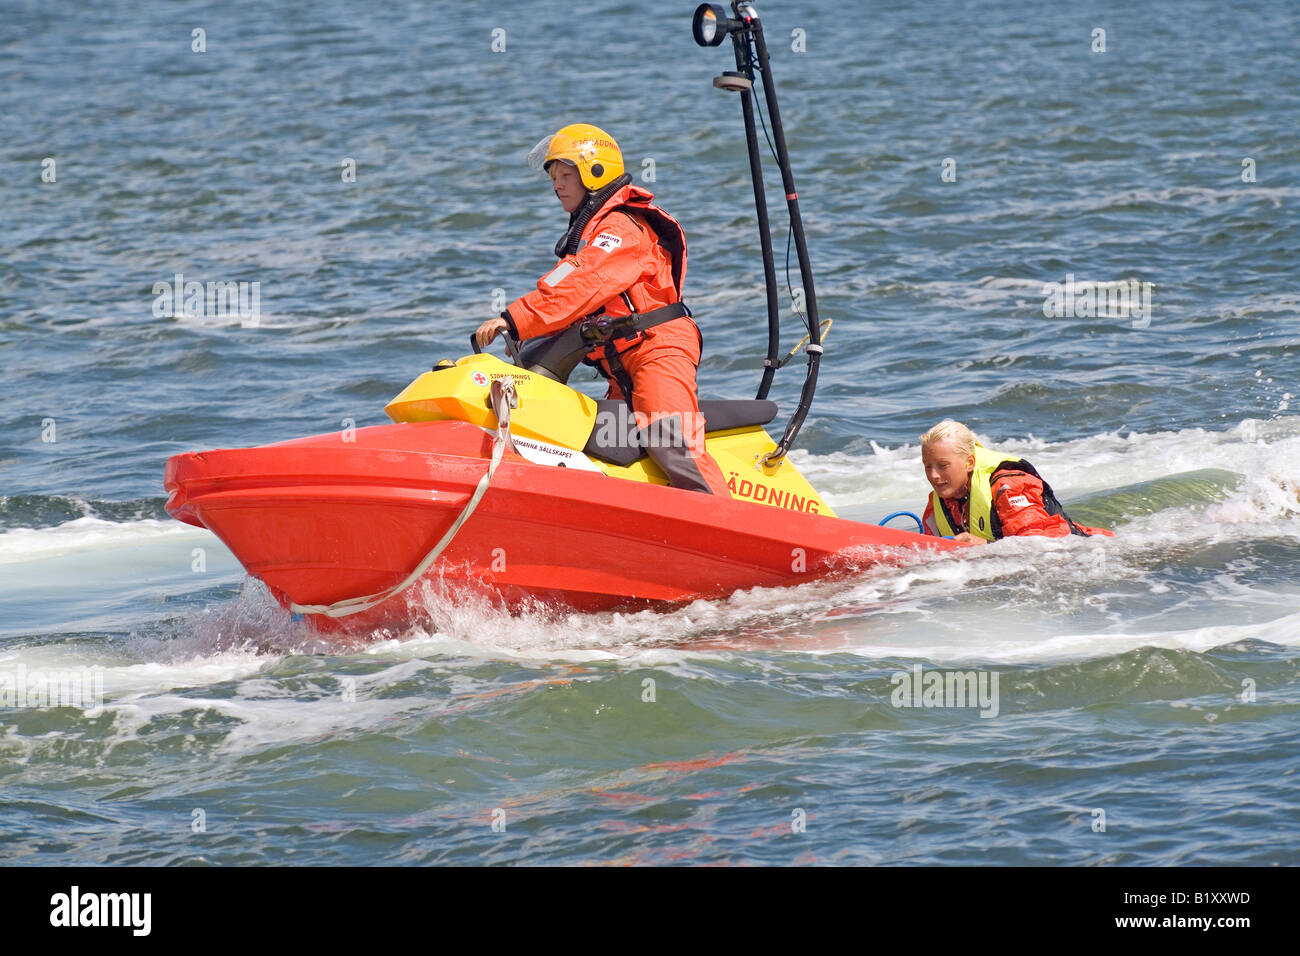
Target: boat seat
x=622 y=444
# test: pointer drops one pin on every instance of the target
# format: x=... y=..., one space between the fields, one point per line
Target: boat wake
x=1205 y=522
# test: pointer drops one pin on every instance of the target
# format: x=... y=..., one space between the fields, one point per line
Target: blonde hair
x=953 y=432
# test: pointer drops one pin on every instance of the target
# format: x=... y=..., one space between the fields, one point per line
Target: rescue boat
x=552 y=501
x=497 y=479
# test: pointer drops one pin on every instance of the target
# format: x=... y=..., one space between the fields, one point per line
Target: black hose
x=745 y=65
x=568 y=244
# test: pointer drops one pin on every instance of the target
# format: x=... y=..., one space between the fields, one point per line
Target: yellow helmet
x=588 y=148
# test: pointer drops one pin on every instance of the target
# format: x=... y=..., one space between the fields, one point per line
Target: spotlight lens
x=709 y=26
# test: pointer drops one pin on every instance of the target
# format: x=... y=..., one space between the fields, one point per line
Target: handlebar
x=512 y=347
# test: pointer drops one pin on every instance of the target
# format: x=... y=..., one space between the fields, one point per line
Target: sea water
x=1077 y=701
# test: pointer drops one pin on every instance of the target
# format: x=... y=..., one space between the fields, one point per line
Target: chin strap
x=503 y=399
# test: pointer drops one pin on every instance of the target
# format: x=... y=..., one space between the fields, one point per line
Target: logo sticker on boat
x=544 y=453
x=479 y=378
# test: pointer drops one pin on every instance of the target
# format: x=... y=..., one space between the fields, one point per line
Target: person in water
x=982 y=495
x=624 y=259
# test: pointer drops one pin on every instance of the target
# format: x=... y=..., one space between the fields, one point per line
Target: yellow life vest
x=980 y=520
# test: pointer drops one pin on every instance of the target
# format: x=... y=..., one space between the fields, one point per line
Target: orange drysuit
x=621 y=252
x=1023 y=504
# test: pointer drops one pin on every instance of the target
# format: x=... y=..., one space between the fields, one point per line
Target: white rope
x=503 y=399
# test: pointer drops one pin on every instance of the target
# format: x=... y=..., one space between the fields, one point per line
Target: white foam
x=88 y=534
x=1058 y=597
x=124 y=674
x=1077 y=467
x=90 y=574
x=1066 y=645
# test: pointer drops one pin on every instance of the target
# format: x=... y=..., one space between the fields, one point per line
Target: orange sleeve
x=1018 y=498
x=619 y=254
x=931 y=526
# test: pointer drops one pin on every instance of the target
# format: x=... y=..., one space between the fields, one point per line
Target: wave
x=1206 y=535
x=43 y=511
x=236 y=698
x=86 y=534
x=1268 y=452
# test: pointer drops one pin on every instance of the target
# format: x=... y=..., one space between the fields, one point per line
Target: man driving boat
x=622 y=259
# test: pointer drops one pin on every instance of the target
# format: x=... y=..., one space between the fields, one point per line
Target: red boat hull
x=324 y=519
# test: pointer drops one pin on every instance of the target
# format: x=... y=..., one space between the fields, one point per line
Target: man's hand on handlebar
x=489 y=330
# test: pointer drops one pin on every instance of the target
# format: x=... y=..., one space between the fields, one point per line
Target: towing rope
x=503 y=399
x=825 y=329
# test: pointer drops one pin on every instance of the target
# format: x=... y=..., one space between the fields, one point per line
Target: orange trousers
x=664 y=397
